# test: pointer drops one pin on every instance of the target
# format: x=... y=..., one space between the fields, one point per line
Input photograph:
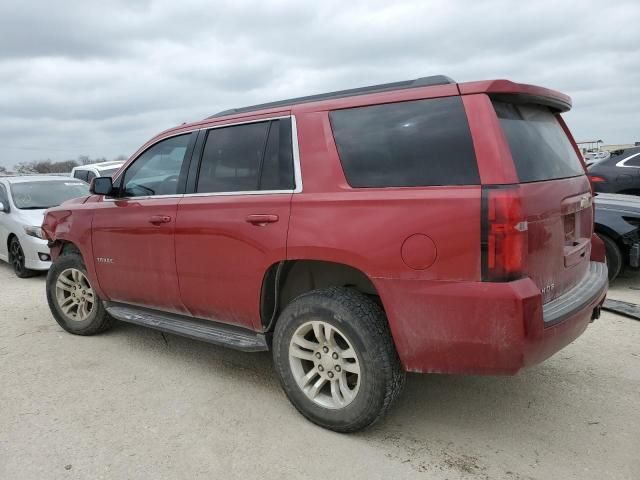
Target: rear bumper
x=485 y=328
x=592 y=285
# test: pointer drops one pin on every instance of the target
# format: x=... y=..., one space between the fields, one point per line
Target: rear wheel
x=613 y=257
x=336 y=360
x=17 y=260
x=72 y=300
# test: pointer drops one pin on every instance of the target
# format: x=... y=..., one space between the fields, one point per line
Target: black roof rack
x=419 y=82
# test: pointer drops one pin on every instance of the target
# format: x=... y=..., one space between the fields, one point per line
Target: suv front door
x=232 y=226
x=133 y=232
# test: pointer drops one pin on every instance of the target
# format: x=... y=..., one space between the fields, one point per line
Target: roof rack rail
x=384 y=87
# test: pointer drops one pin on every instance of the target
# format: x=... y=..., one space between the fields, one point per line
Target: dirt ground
x=132 y=403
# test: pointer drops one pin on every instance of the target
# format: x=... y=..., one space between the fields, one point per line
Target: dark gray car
x=617 y=222
x=620 y=173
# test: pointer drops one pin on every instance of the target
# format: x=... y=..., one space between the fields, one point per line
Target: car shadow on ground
x=426 y=399
x=458 y=402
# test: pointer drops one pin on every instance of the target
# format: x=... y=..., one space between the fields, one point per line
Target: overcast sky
x=100 y=78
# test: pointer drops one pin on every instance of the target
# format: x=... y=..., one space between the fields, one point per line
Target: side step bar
x=627 y=309
x=205 y=330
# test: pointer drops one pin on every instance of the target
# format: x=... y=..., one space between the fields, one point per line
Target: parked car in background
x=620 y=173
x=23 y=201
x=422 y=226
x=617 y=223
x=591 y=158
x=87 y=173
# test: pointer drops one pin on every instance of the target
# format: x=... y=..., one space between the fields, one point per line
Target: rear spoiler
x=518 y=93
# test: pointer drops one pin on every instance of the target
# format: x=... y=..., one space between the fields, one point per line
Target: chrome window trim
x=297 y=171
x=146 y=197
x=622 y=163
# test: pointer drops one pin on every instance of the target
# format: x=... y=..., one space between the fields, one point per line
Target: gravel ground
x=133 y=403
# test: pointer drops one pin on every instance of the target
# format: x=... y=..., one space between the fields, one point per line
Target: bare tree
x=45 y=166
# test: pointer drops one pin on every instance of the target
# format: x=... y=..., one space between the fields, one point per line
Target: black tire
x=17 y=260
x=98 y=319
x=613 y=257
x=363 y=322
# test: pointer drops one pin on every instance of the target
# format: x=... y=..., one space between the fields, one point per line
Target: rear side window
x=248 y=157
x=539 y=147
x=81 y=175
x=632 y=160
x=407 y=144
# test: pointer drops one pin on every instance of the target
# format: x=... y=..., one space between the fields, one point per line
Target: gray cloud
x=99 y=79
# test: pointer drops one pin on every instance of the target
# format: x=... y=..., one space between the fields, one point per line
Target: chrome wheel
x=74 y=294
x=324 y=364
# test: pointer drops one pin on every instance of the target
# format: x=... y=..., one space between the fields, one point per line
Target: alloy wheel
x=74 y=294
x=324 y=364
x=17 y=256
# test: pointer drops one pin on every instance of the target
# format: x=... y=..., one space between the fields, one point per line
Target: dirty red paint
x=210 y=263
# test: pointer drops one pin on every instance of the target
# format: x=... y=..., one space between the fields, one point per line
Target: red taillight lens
x=597 y=179
x=504 y=234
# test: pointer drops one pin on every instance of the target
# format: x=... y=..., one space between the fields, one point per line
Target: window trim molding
x=297 y=173
x=623 y=162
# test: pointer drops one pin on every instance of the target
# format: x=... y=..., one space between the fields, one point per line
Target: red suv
x=422 y=226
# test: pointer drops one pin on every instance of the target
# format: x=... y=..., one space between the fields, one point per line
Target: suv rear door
x=232 y=224
x=133 y=233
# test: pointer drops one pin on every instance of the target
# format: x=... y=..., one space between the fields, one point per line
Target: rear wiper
x=36 y=208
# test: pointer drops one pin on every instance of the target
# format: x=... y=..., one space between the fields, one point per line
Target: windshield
x=37 y=195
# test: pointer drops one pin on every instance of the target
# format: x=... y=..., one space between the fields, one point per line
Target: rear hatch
x=555 y=205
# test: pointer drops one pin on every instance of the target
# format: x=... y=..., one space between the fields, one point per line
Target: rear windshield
x=539 y=147
x=407 y=144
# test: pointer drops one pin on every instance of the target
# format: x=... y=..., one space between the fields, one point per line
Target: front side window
x=247 y=158
x=108 y=172
x=406 y=144
x=39 y=195
x=157 y=170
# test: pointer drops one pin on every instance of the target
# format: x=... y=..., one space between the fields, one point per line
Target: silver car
x=23 y=200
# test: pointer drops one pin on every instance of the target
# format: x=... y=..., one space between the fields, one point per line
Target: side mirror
x=101 y=186
x=4 y=208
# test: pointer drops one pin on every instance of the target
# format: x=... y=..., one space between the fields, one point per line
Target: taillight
x=597 y=179
x=504 y=234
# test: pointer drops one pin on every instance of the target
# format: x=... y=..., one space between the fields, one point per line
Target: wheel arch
x=285 y=280
x=10 y=237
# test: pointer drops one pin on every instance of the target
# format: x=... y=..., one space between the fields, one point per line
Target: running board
x=205 y=330
x=627 y=309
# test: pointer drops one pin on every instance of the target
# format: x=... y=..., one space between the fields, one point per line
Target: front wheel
x=17 y=260
x=336 y=359
x=72 y=300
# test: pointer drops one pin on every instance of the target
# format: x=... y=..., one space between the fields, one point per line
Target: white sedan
x=23 y=201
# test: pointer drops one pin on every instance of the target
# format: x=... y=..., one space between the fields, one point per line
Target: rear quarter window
x=406 y=144
x=81 y=175
x=539 y=147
